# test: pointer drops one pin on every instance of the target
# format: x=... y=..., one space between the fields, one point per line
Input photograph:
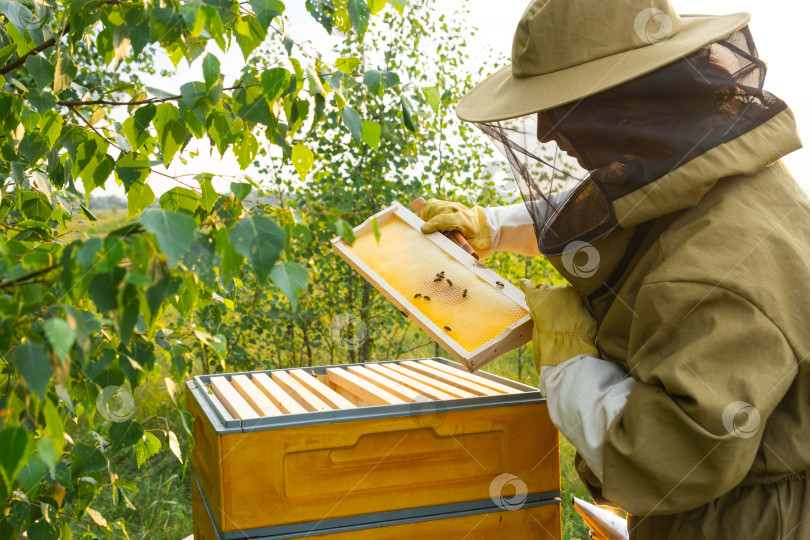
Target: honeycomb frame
x=407 y=266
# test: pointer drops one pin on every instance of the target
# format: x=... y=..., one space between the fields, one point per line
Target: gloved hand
x=563 y=328
x=453 y=216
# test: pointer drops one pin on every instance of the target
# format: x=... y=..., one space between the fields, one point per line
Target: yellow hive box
x=528 y=522
x=468 y=309
x=406 y=447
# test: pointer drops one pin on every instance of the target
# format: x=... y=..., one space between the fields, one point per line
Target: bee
x=499 y=284
x=447 y=328
x=464 y=294
x=437 y=279
x=449 y=282
x=426 y=297
x=403 y=314
x=440 y=274
x=417 y=295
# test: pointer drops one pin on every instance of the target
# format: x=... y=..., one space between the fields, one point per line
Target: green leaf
x=223 y=130
x=355 y=124
x=35 y=205
x=163 y=286
x=245 y=149
x=180 y=199
x=103 y=290
x=195 y=97
x=211 y=72
x=407 y=114
x=32 y=147
x=398 y=5
x=275 y=82
x=48 y=451
x=172 y=138
x=132 y=168
x=267 y=10
x=40 y=69
x=358 y=15
x=51 y=126
x=260 y=240
x=378 y=81
x=371 y=133
x=66 y=71
x=128 y=314
x=347 y=65
x=148 y=446
x=432 y=96
x=377 y=5
x=55 y=425
x=302 y=159
x=174 y=232
x=252 y=106
x=209 y=195
x=60 y=335
x=136 y=127
x=125 y=433
x=315 y=84
x=17 y=445
x=31 y=474
x=344 y=230
x=241 y=190
x=249 y=34
x=86 y=459
x=323 y=11
x=33 y=365
x=139 y=196
x=42 y=530
x=375 y=228
x=291 y=278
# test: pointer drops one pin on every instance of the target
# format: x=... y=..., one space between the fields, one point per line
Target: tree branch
x=135 y=102
x=26 y=277
x=36 y=50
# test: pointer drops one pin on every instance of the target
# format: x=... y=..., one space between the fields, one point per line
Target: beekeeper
x=678 y=362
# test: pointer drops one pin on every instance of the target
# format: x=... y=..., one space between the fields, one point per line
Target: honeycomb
x=409 y=263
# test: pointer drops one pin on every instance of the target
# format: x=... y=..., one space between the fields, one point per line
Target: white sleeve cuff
x=585 y=394
x=511 y=229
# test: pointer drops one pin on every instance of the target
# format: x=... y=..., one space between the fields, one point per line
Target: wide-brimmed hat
x=565 y=50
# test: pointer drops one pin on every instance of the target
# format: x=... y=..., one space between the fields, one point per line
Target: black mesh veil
x=626 y=137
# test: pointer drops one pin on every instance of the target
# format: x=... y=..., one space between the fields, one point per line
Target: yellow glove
x=451 y=216
x=563 y=328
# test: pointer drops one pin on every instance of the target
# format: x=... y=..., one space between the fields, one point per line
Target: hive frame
x=517 y=334
x=223 y=422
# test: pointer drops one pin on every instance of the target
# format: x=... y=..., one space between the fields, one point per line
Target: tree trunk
x=365 y=347
x=305 y=338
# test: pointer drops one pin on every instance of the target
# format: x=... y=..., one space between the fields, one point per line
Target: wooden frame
x=517 y=334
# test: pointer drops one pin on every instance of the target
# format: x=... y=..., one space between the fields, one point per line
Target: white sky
x=777 y=26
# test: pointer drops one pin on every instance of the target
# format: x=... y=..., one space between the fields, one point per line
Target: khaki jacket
x=710 y=313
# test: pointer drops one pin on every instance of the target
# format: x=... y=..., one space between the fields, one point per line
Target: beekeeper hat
x=565 y=50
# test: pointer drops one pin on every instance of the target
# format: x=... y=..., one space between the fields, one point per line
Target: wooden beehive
x=468 y=309
x=380 y=450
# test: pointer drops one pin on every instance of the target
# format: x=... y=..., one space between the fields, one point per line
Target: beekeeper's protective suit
x=679 y=363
